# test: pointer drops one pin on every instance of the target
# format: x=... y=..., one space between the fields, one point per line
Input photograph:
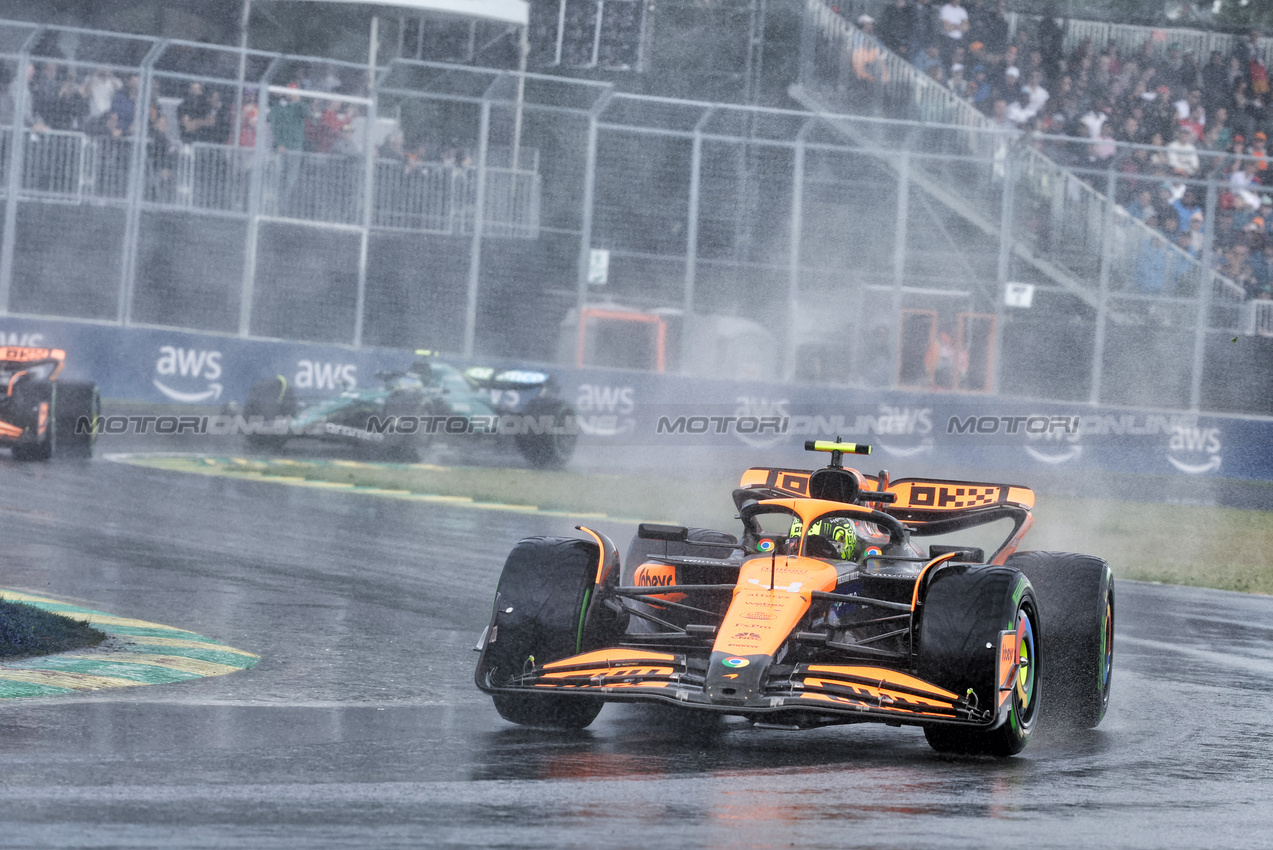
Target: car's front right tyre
x=542 y=614
x=965 y=612
x=78 y=408
x=553 y=447
x=28 y=396
x=269 y=400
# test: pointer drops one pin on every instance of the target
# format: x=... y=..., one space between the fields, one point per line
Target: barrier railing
x=422 y=199
x=208 y=177
x=512 y=203
x=56 y=165
x=1259 y=316
x=1130 y=37
x=73 y=168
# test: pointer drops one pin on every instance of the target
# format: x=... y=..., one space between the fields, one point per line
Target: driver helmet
x=422 y=369
x=840 y=532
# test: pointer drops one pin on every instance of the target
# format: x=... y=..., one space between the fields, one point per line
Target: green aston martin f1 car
x=428 y=401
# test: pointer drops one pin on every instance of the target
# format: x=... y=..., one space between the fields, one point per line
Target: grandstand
x=461 y=204
x=1075 y=239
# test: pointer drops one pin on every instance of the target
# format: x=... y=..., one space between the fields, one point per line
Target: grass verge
x=26 y=631
x=1223 y=548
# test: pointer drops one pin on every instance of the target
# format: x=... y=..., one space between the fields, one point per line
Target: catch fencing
x=485 y=213
x=1057 y=208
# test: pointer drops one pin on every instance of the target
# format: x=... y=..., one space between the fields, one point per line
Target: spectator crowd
x=102 y=105
x=1164 y=118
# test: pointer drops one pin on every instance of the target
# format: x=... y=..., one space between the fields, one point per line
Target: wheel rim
x=1023 y=692
x=1107 y=645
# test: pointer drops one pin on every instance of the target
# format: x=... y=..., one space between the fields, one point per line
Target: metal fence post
x=899 y=261
x=1007 y=211
x=368 y=200
x=137 y=178
x=1204 y=297
x=589 y=195
x=691 y=223
x=805 y=62
x=17 y=158
x=793 y=261
x=248 y=287
x=479 y=212
x=1102 y=307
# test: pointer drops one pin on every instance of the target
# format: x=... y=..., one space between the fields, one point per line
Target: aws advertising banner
x=678 y=420
x=767 y=425
x=157 y=365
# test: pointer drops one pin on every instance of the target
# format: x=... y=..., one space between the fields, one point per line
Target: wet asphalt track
x=361 y=727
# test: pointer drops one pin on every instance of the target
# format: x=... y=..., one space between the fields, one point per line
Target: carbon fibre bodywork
x=430 y=400
x=773 y=628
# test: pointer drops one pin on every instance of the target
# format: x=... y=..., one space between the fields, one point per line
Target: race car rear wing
x=17 y=360
x=927 y=506
x=21 y=354
x=921 y=499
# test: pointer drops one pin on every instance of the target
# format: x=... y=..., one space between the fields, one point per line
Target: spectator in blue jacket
x=1186 y=206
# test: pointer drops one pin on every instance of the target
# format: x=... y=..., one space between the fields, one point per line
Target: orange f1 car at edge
x=39 y=413
x=825 y=611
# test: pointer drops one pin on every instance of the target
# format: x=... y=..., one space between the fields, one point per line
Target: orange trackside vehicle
x=41 y=416
x=824 y=610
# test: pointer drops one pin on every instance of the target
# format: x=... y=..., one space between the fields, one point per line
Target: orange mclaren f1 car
x=824 y=611
x=41 y=416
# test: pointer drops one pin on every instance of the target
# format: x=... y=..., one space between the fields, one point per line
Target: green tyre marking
x=583 y=613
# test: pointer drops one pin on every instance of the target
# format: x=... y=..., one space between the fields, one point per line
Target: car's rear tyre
x=554 y=448
x=404 y=443
x=272 y=400
x=28 y=396
x=964 y=612
x=79 y=406
x=541 y=615
x=1076 y=599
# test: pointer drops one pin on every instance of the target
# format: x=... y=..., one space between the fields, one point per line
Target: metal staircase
x=960 y=160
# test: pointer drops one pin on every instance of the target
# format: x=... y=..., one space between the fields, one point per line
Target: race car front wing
x=845 y=693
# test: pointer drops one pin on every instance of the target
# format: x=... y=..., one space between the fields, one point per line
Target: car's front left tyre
x=1076 y=596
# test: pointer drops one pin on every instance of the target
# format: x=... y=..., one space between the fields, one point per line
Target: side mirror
x=975 y=554
x=673 y=533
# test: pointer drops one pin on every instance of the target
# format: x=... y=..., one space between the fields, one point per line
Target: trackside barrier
x=721 y=423
x=66 y=167
x=1260 y=317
